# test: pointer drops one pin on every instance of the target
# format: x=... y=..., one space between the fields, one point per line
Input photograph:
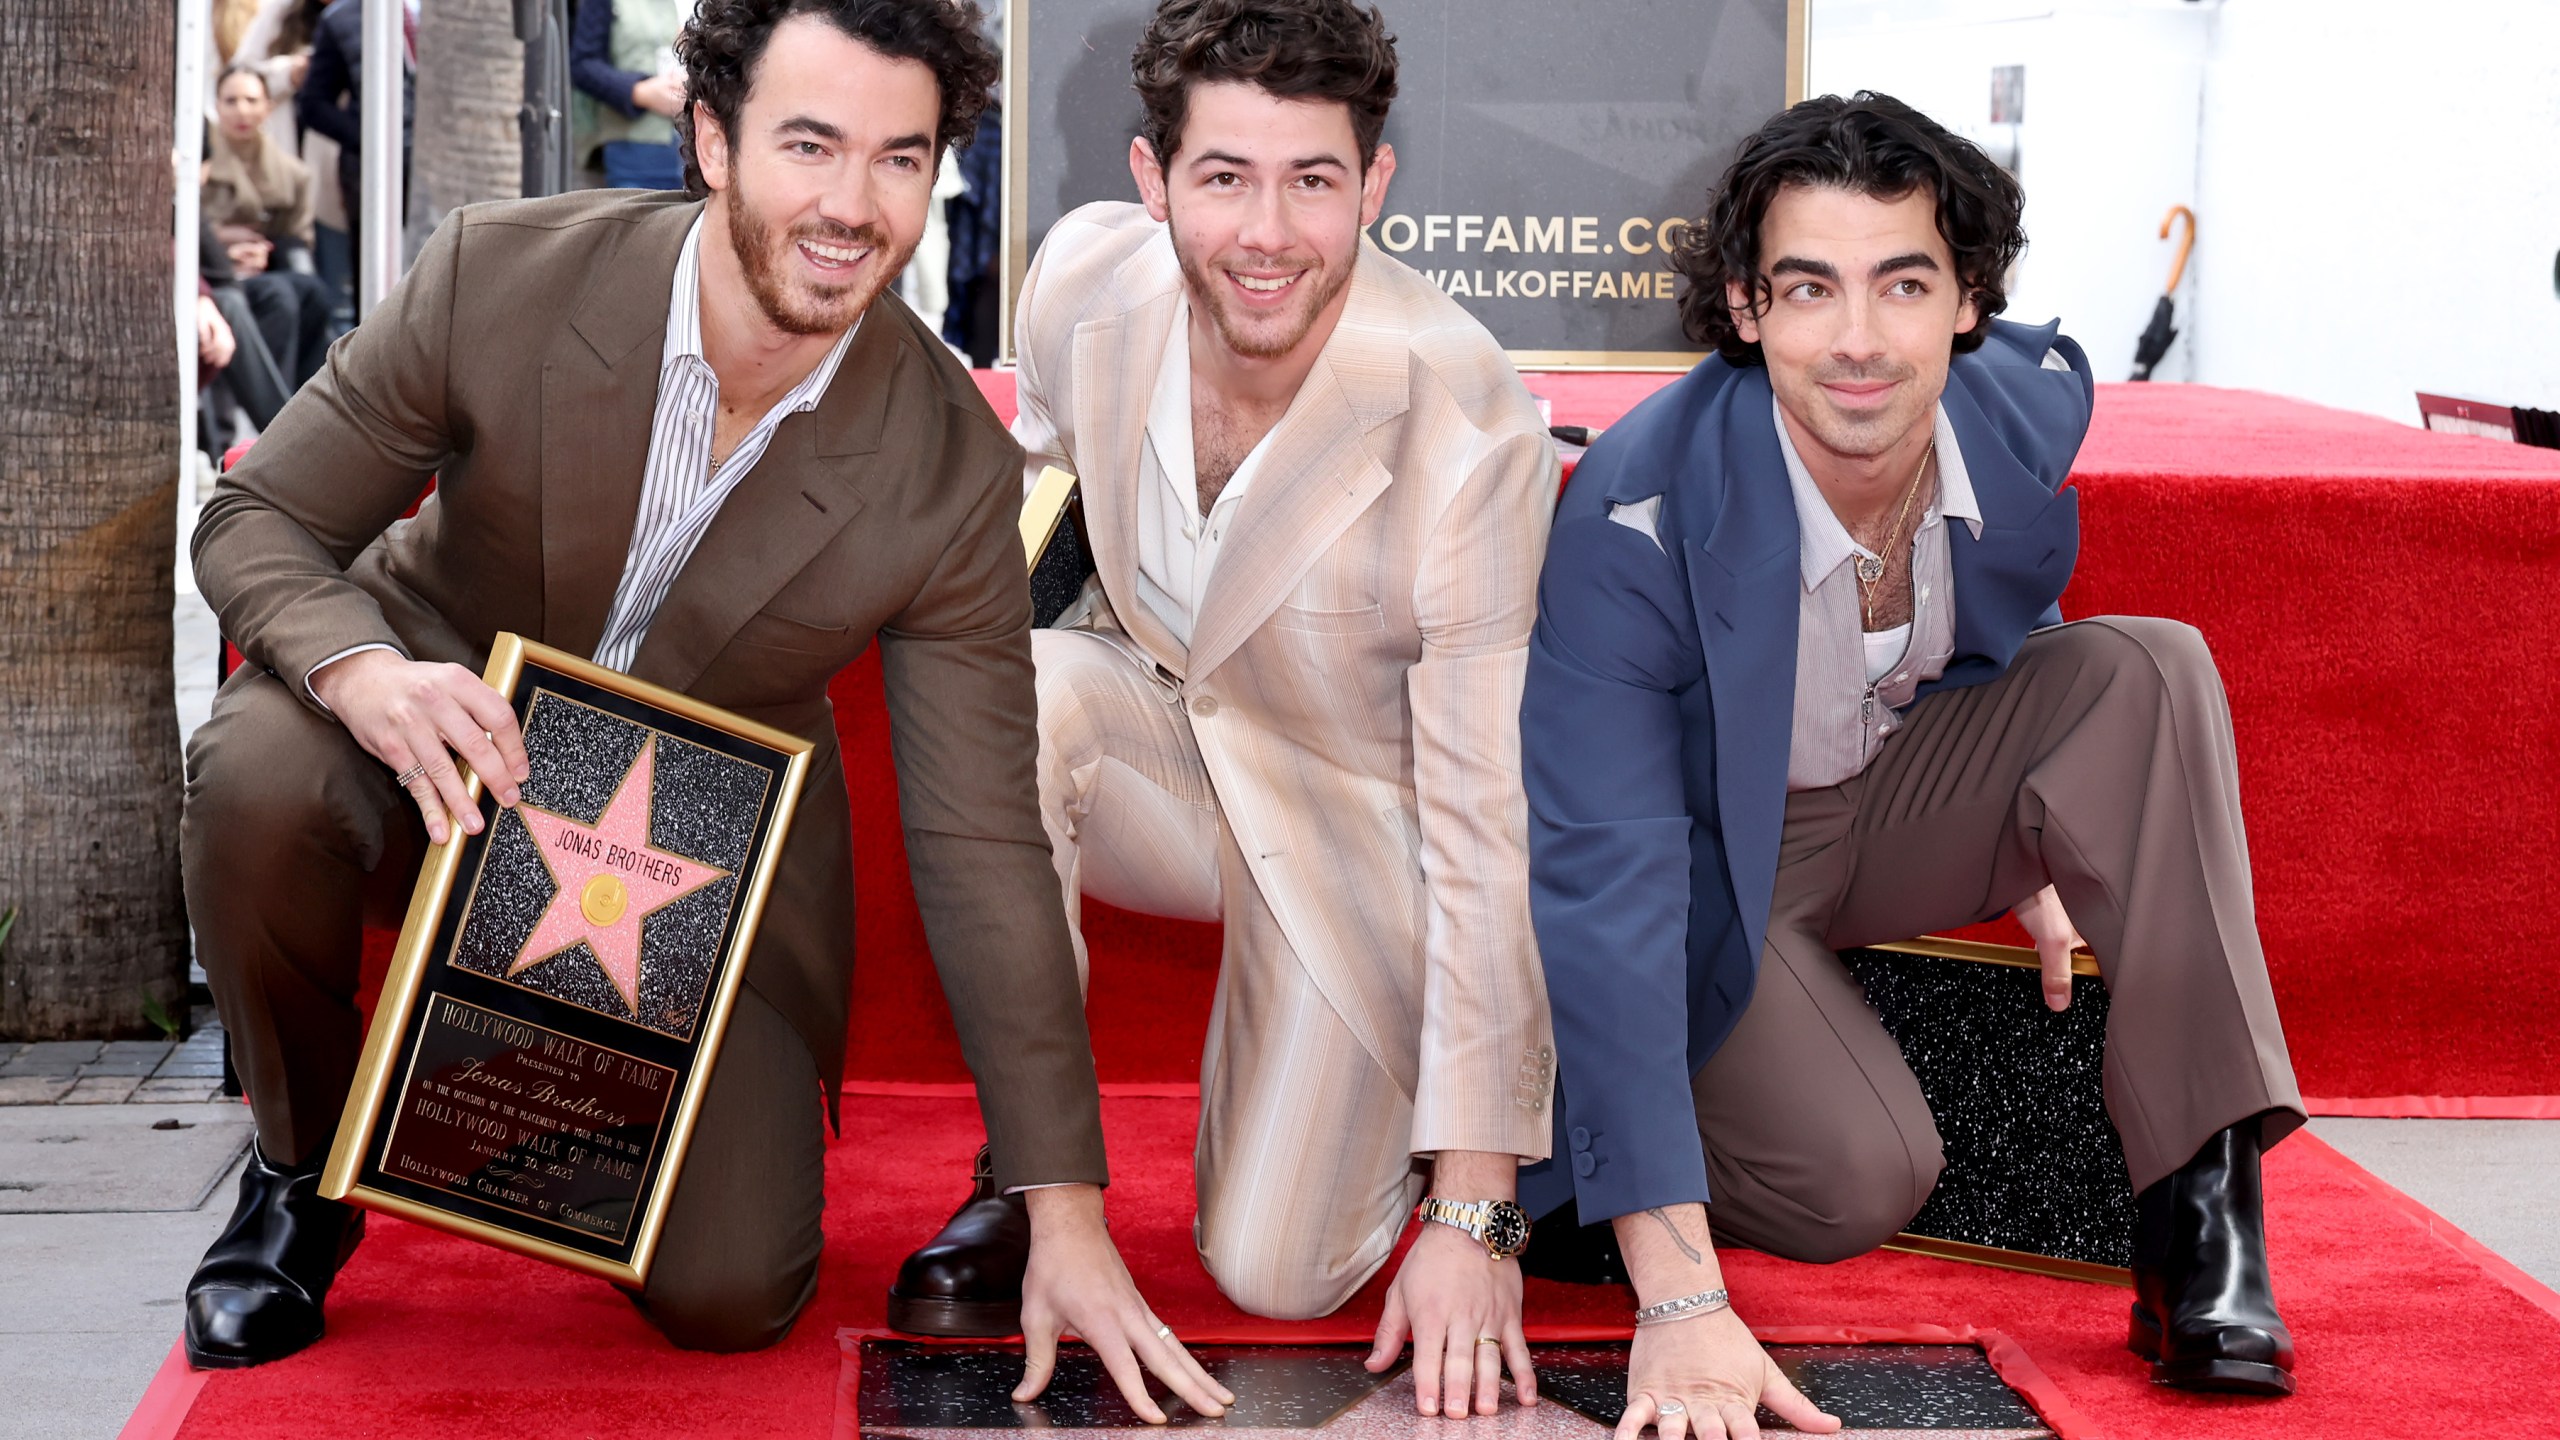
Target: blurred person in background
x=235 y=371
x=622 y=59
x=330 y=99
x=257 y=197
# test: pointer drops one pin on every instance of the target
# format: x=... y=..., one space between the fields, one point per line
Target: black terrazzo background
x=928 y=1387
x=706 y=803
x=576 y=756
x=1883 y=1387
x=2032 y=1161
x=1060 y=575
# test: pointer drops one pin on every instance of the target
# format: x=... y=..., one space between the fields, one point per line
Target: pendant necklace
x=1871 y=567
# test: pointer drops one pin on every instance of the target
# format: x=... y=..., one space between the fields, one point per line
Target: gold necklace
x=1871 y=567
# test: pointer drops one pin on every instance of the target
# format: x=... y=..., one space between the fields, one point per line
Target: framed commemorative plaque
x=556 y=1003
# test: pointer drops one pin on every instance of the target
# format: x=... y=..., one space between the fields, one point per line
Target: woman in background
x=258 y=198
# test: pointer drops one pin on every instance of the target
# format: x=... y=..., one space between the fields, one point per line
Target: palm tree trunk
x=470 y=83
x=89 y=765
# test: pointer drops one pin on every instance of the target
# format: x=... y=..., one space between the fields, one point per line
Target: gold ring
x=1487 y=1340
x=1164 y=1332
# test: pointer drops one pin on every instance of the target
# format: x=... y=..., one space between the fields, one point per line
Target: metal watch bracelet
x=1703 y=1303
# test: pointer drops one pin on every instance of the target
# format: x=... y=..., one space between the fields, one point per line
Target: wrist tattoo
x=1676 y=1237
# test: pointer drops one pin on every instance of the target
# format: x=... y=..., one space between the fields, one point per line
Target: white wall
x=2113 y=90
x=2337 y=260
x=2381 y=188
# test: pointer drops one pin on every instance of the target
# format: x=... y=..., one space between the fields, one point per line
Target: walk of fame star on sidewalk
x=611 y=879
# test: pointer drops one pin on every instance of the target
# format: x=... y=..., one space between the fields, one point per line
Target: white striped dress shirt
x=680 y=488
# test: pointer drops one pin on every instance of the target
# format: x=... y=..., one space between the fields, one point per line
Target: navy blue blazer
x=1655 y=723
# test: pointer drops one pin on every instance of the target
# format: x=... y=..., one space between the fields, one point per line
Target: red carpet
x=2376 y=596
x=2400 y=1332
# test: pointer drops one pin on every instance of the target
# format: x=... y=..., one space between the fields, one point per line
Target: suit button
x=1583 y=1165
x=1580 y=1137
x=1204 y=706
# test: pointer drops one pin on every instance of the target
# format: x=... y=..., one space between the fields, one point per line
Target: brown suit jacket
x=518 y=363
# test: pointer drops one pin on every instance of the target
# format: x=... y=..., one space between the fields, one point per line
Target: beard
x=1266 y=336
x=1863 y=435
x=791 y=303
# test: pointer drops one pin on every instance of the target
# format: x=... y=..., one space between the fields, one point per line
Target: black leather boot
x=2203 y=1312
x=1562 y=1248
x=967 y=1280
x=258 y=1294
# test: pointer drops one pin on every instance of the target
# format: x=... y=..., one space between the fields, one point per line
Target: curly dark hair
x=1871 y=144
x=723 y=41
x=1294 y=49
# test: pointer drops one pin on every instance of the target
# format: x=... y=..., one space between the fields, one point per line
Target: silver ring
x=1164 y=1332
x=405 y=777
x=1670 y=1407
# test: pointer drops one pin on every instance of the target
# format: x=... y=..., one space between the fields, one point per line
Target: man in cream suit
x=1316 y=494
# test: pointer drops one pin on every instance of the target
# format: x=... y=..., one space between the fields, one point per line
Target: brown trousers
x=2101 y=763
x=293 y=839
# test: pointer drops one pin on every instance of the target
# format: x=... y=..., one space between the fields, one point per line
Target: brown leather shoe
x=967 y=1280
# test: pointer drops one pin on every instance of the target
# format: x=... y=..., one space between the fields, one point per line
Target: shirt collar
x=1169 y=411
x=684 y=330
x=1824 y=544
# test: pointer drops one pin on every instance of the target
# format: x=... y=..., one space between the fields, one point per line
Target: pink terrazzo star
x=610 y=880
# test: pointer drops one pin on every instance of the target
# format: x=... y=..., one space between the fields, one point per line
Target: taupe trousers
x=293 y=838
x=2100 y=762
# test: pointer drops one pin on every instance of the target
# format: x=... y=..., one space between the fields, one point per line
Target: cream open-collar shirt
x=1851 y=688
x=1177 y=545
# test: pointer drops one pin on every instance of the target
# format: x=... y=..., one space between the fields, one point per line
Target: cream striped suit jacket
x=1360 y=647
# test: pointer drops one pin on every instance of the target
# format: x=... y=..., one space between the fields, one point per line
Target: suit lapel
x=794 y=502
x=2030 y=539
x=599 y=399
x=1319 y=474
x=1749 y=587
x=1115 y=363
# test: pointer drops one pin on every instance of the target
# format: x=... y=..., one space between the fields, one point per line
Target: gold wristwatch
x=1500 y=1226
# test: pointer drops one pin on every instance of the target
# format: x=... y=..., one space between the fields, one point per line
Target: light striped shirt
x=680 y=488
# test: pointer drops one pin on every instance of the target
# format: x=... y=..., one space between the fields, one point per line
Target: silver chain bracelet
x=1705 y=1302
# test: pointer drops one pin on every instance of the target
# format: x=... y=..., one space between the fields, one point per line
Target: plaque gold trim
x=1014 y=248
x=2022 y=1260
x=2021 y=957
x=1043 y=509
x=379 y=1067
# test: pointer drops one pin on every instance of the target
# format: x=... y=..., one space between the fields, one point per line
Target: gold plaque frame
x=383 y=1062
x=1015 y=243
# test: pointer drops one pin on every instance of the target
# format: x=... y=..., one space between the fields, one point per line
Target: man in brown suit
x=699 y=442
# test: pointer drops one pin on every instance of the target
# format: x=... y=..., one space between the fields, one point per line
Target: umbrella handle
x=2186 y=242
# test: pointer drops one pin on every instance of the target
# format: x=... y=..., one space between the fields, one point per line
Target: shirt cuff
x=332 y=660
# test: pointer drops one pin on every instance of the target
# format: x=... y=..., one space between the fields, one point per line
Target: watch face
x=1506 y=1229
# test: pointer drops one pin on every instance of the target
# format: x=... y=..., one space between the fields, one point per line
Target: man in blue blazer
x=1800 y=683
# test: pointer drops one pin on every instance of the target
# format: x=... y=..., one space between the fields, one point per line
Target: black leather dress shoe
x=967 y=1280
x=258 y=1294
x=1562 y=1248
x=2203 y=1312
